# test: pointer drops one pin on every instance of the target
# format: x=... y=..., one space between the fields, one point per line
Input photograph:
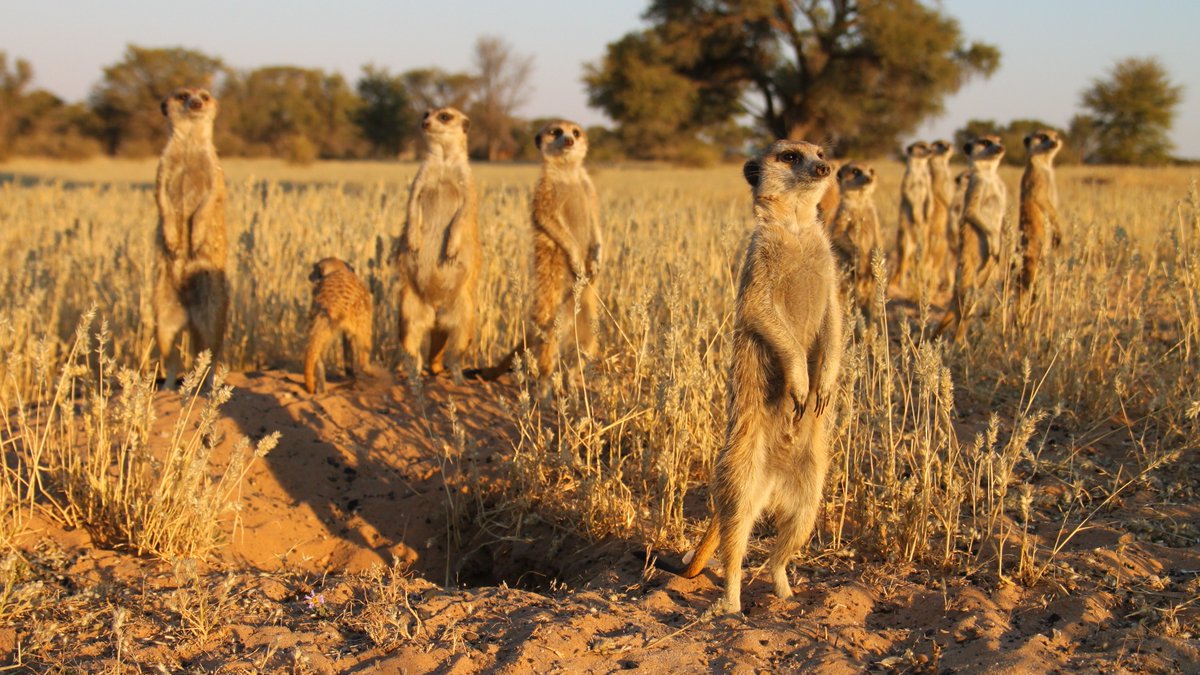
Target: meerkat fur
x=1038 y=217
x=439 y=256
x=941 y=231
x=567 y=246
x=786 y=355
x=916 y=203
x=984 y=206
x=341 y=302
x=192 y=289
x=855 y=232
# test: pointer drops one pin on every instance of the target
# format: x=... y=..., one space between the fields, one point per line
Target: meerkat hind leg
x=416 y=320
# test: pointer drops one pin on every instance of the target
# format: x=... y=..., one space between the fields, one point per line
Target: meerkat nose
x=821 y=169
x=568 y=141
x=195 y=103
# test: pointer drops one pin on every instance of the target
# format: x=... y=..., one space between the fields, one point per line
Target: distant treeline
x=300 y=114
x=704 y=81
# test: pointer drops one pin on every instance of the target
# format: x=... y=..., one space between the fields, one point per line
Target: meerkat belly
x=440 y=203
x=577 y=214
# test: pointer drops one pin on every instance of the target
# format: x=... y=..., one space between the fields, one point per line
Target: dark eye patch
x=445 y=117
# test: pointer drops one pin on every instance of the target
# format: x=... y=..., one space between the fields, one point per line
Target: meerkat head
x=856 y=177
x=984 y=150
x=1043 y=142
x=941 y=149
x=789 y=169
x=189 y=105
x=561 y=140
x=327 y=266
x=445 y=128
x=917 y=150
x=788 y=165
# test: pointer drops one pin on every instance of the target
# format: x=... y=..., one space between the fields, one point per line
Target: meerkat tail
x=695 y=561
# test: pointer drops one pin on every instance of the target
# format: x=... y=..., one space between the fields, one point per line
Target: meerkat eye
x=182 y=97
x=557 y=132
x=204 y=96
x=445 y=117
x=789 y=157
x=820 y=154
x=856 y=172
x=575 y=133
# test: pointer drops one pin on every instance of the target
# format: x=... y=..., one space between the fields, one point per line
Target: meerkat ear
x=752 y=171
x=315 y=275
x=967 y=147
x=537 y=140
x=466 y=124
x=351 y=268
x=1028 y=140
x=163 y=105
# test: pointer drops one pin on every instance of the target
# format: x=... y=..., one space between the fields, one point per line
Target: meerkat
x=787 y=342
x=956 y=208
x=940 y=230
x=984 y=205
x=439 y=249
x=567 y=245
x=828 y=206
x=855 y=232
x=1039 y=206
x=192 y=290
x=916 y=201
x=341 y=302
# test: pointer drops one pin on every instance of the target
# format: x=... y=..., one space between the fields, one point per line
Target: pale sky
x=1051 y=49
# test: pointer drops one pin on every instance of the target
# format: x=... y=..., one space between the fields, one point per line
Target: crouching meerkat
x=1039 y=206
x=916 y=202
x=984 y=205
x=941 y=232
x=567 y=245
x=192 y=290
x=854 y=231
x=439 y=254
x=787 y=343
x=342 y=303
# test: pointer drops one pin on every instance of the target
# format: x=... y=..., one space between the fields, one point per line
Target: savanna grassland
x=1025 y=500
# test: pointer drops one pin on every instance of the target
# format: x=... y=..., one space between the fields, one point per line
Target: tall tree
x=126 y=101
x=435 y=88
x=386 y=118
x=294 y=112
x=1131 y=113
x=502 y=79
x=856 y=74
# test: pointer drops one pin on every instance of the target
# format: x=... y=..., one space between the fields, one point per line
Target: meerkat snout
x=822 y=169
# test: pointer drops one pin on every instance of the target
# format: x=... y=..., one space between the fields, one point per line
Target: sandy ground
x=346 y=562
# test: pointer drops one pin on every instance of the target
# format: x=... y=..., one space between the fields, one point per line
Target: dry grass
x=940 y=449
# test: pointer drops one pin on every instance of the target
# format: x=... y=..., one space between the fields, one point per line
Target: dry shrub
x=84 y=453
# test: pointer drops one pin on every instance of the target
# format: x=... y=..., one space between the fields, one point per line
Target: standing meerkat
x=1039 y=206
x=439 y=248
x=787 y=343
x=941 y=232
x=192 y=290
x=341 y=302
x=855 y=232
x=956 y=209
x=828 y=206
x=979 y=233
x=566 y=245
x=916 y=200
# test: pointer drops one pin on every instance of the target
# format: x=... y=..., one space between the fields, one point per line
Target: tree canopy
x=1131 y=113
x=855 y=74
